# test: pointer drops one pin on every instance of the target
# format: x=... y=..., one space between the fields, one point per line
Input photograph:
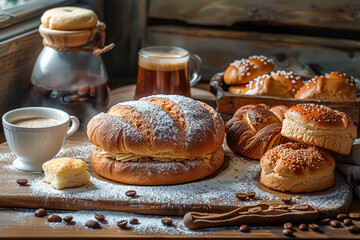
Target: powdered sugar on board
x=236 y=175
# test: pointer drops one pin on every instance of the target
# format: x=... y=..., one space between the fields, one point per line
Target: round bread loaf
x=297 y=167
x=277 y=84
x=69 y=18
x=246 y=69
x=183 y=133
x=320 y=126
x=334 y=86
x=254 y=129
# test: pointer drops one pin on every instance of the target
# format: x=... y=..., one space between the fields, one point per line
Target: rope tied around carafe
x=97 y=42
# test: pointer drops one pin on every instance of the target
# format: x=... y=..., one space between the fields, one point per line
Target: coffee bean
x=250 y=194
x=54 y=218
x=348 y=222
x=335 y=223
x=325 y=221
x=134 y=221
x=167 y=221
x=22 y=182
x=354 y=229
x=68 y=219
x=122 y=224
x=303 y=227
x=314 y=227
x=342 y=216
x=92 y=224
x=286 y=199
x=354 y=216
x=130 y=193
x=241 y=196
x=288 y=225
x=99 y=217
x=287 y=232
x=244 y=228
x=40 y=212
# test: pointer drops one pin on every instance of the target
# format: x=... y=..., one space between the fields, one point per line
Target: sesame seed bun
x=297 y=167
x=320 y=126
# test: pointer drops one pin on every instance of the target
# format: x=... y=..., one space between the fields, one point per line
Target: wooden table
x=21 y=223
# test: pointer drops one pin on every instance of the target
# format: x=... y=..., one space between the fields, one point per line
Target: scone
x=297 y=167
x=254 y=129
x=69 y=18
x=157 y=140
x=335 y=86
x=320 y=126
x=244 y=70
x=66 y=172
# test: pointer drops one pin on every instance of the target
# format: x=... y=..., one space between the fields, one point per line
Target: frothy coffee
x=163 y=62
x=36 y=122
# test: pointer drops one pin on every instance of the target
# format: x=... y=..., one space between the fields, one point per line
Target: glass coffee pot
x=69 y=74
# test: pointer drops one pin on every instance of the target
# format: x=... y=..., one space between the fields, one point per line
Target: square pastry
x=66 y=172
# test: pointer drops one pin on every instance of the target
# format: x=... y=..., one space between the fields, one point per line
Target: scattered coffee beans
x=40 y=212
x=288 y=225
x=325 y=221
x=92 y=224
x=244 y=228
x=54 y=218
x=130 y=193
x=167 y=221
x=354 y=229
x=354 y=216
x=68 y=219
x=251 y=194
x=335 y=223
x=22 y=182
x=348 y=222
x=287 y=232
x=241 y=196
x=122 y=224
x=134 y=221
x=314 y=227
x=303 y=227
x=342 y=216
x=286 y=199
x=99 y=217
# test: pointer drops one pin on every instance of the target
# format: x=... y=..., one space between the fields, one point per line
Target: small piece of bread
x=66 y=172
x=320 y=126
x=244 y=70
x=335 y=86
x=69 y=18
x=297 y=167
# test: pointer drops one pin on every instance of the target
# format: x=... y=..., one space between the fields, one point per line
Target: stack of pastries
x=293 y=154
x=255 y=75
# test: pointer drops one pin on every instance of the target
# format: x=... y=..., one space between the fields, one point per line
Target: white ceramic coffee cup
x=34 y=146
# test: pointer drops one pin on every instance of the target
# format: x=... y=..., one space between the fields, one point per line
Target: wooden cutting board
x=213 y=194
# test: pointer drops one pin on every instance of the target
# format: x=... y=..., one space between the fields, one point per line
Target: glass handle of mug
x=75 y=123
x=196 y=76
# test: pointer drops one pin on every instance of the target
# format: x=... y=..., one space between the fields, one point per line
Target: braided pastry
x=161 y=139
x=246 y=69
x=333 y=86
x=277 y=84
x=254 y=129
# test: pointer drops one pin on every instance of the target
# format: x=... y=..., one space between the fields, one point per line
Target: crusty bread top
x=322 y=117
x=159 y=125
x=62 y=165
x=69 y=18
x=297 y=160
x=334 y=86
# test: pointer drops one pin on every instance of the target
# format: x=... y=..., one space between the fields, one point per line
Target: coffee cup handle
x=196 y=76
x=75 y=123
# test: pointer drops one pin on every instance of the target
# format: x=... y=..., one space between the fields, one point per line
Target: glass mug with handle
x=164 y=70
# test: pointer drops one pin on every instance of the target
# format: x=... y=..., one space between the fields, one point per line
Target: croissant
x=278 y=84
x=161 y=139
x=244 y=70
x=254 y=129
x=334 y=86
